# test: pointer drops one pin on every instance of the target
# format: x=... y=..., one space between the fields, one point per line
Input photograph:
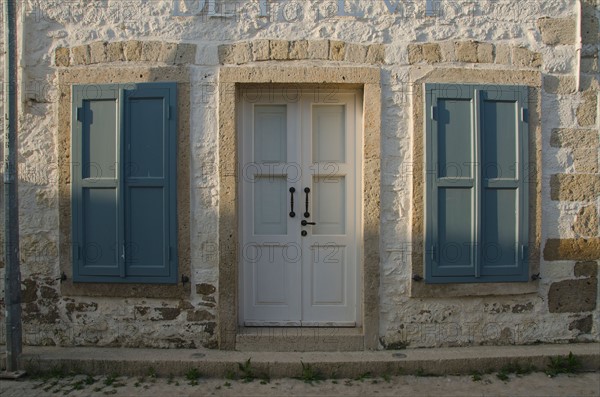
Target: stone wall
x=487 y=37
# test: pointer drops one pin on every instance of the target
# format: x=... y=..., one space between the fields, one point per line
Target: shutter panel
x=504 y=224
x=150 y=182
x=95 y=183
x=451 y=183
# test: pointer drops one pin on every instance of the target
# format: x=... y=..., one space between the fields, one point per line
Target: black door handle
x=305 y=222
x=292 y=213
x=307 y=214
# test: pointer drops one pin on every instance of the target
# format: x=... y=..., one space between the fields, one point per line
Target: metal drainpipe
x=578 y=46
x=12 y=275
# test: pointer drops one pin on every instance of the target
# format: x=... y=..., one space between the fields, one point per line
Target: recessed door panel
x=330 y=205
x=328 y=268
x=270 y=204
x=270 y=133
x=328 y=133
x=270 y=275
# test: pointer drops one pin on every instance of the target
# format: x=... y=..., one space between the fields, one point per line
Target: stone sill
x=422 y=290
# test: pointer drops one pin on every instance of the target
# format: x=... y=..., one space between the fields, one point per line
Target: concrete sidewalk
x=216 y=363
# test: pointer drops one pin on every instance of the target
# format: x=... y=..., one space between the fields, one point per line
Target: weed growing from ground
x=563 y=365
x=246 y=370
x=362 y=377
x=192 y=375
x=310 y=374
x=476 y=376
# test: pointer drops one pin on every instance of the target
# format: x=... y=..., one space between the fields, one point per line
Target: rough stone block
x=589 y=64
x=205 y=289
x=590 y=82
x=186 y=54
x=485 y=53
x=337 y=50
x=579 y=249
x=586 y=223
x=260 y=50
x=447 y=51
x=114 y=52
x=557 y=30
x=574 y=187
x=81 y=55
x=573 y=296
x=587 y=109
x=559 y=84
x=62 y=57
x=583 y=325
x=586 y=269
x=151 y=51
x=199 y=315
x=356 y=53
x=318 y=49
x=415 y=53
x=279 y=49
x=98 y=52
x=590 y=29
x=585 y=160
x=168 y=53
x=299 y=49
x=466 y=51
x=523 y=57
x=242 y=53
x=225 y=54
x=503 y=54
x=132 y=50
x=376 y=54
x=431 y=53
x=574 y=138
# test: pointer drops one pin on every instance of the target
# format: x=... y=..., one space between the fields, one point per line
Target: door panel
x=270 y=205
x=328 y=285
x=270 y=134
x=328 y=133
x=329 y=194
x=289 y=278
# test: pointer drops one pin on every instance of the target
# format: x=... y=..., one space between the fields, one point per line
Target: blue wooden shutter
x=451 y=195
x=96 y=218
x=476 y=216
x=150 y=182
x=504 y=158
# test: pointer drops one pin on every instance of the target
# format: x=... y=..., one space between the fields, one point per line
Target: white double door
x=300 y=223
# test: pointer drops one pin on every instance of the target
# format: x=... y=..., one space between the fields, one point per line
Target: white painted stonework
x=46 y=25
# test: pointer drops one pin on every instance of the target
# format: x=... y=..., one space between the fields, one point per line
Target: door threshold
x=299 y=339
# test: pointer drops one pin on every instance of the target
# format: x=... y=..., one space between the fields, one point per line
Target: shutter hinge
x=79 y=114
x=434 y=112
x=524 y=115
x=432 y=253
x=123 y=251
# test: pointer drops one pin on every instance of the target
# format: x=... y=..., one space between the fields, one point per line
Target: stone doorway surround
x=232 y=80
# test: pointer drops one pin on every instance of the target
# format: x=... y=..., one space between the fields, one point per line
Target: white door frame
x=296 y=100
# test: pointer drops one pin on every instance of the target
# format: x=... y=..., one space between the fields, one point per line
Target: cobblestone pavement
x=535 y=384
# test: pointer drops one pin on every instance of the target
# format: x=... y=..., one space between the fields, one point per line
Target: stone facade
x=525 y=43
